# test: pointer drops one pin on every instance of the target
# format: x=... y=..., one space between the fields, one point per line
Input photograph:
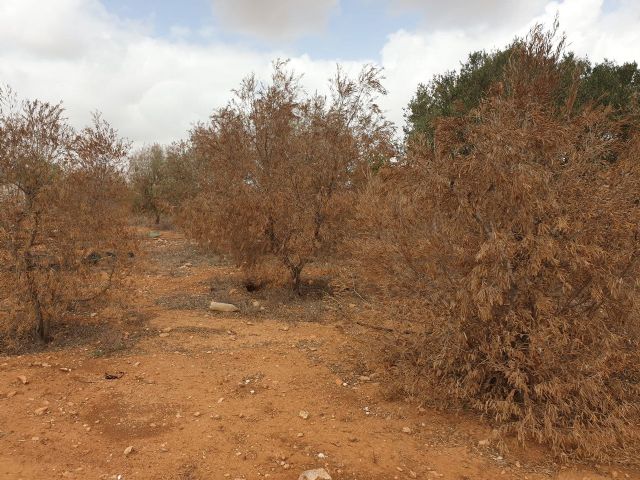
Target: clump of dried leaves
x=510 y=247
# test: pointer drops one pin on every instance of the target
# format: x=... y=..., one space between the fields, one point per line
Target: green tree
x=146 y=174
x=456 y=93
x=611 y=84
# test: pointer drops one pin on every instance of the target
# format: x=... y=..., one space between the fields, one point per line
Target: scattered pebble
x=303 y=414
x=316 y=474
x=128 y=451
x=41 y=411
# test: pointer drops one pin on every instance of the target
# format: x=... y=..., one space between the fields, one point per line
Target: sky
x=155 y=68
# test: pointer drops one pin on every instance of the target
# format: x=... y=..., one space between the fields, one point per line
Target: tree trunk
x=42 y=323
x=296 y=272
x=43 y=328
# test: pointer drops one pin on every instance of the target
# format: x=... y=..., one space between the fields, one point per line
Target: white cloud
x=471 y=13
x=597 y=32
x=275 y=19
x=153 y=89
x=414 y=57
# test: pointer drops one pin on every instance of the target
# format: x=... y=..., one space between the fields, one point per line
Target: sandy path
x=216 y=396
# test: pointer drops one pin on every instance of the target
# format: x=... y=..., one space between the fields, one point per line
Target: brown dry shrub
x=63 y=228
x=511 y=251
x=281 y=168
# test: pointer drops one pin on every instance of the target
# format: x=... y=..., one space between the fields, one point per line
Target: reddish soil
x=204 y=395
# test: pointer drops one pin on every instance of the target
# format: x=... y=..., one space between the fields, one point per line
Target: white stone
x=223 y=307
x=315 y=474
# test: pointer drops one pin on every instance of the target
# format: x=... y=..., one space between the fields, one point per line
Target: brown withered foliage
x=63 y=228
x=281 y=168
x=511 y=250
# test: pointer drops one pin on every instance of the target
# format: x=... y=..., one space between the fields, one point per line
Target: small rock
x=197 y=414
x=255 y=303
x=315 y=474
x=223 y=307
x=12 y=393
x=303 y=414
x=23 y=379
x=483 y=443
x=413 y=474
x=128 y=451
x=164 y=334
x=41 y=411
x=406 y=430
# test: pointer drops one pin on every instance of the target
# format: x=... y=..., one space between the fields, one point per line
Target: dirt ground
x=205 y=395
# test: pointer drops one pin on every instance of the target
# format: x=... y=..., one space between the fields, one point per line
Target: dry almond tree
x=63 y=224
x=281 y=168
x=511 y=250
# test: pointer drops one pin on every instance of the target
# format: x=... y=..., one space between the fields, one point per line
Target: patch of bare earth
x=200 y=395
